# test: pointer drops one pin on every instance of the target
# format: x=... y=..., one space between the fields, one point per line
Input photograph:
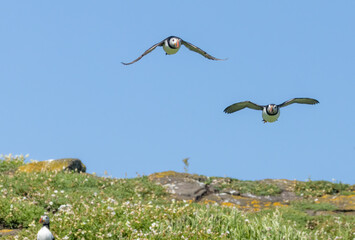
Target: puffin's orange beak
x=271 y=109
x=177 y=44
x=40 y=220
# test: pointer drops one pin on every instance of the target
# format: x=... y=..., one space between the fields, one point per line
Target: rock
x=9 y=232
x=180 y=185
x=216 y=190
x=184 y=186
x=231 y=192
x=64 y=164
x=343 y=203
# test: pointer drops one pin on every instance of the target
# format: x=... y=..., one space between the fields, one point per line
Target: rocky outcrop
x=344 y=203
x=64 y=164
x=197 y=188
x=183 y=186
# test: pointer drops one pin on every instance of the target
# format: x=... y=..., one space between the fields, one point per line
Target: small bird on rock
x=44 y=233
x=271 y=112
x=171 y=45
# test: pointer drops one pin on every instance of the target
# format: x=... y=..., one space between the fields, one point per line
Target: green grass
x=252 y=187
x=10 y=163
x=320 y=188
x=311 y=205
x=106 y=208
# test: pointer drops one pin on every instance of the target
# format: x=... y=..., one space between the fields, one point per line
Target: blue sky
x=64 y=92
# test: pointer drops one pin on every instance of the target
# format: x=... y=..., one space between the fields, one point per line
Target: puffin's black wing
x=146 y=52
x=241 y=105
x=198 y=50
x=299 y=100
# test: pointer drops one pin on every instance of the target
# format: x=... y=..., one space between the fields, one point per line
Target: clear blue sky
x=64 y=92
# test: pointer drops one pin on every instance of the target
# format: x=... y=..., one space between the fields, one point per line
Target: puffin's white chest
x=270 y=118
x=168 y=49
x=45 y=234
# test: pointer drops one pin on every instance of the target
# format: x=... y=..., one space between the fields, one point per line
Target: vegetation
x=311 y=205
x=320 y=188
x=186 y=164
x=252 y=187
x=11 y=163
x=83 y=206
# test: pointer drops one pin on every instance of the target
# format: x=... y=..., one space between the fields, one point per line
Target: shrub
x=10 y=162
x=320 y=188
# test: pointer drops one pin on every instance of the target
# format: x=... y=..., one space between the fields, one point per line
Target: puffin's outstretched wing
x=199 y=50
x=241 y=105
x=299 y=100
x=146 y=52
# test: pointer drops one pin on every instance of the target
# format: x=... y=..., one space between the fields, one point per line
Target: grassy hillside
x=83 y=206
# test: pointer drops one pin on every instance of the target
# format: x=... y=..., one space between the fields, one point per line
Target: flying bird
x=171 y=45
x=271 y=112
x=44 y=233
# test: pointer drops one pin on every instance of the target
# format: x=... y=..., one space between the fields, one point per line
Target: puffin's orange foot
x=264 y=121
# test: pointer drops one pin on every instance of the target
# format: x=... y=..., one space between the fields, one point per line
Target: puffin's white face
x=44 y=219
x=272 y=109
x=174 y=42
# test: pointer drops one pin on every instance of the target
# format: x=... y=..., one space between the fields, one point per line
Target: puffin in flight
x=44 y=233
x=271 y=112
x=171 y=45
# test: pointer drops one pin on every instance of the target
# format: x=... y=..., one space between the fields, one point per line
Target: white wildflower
x=65 y=208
